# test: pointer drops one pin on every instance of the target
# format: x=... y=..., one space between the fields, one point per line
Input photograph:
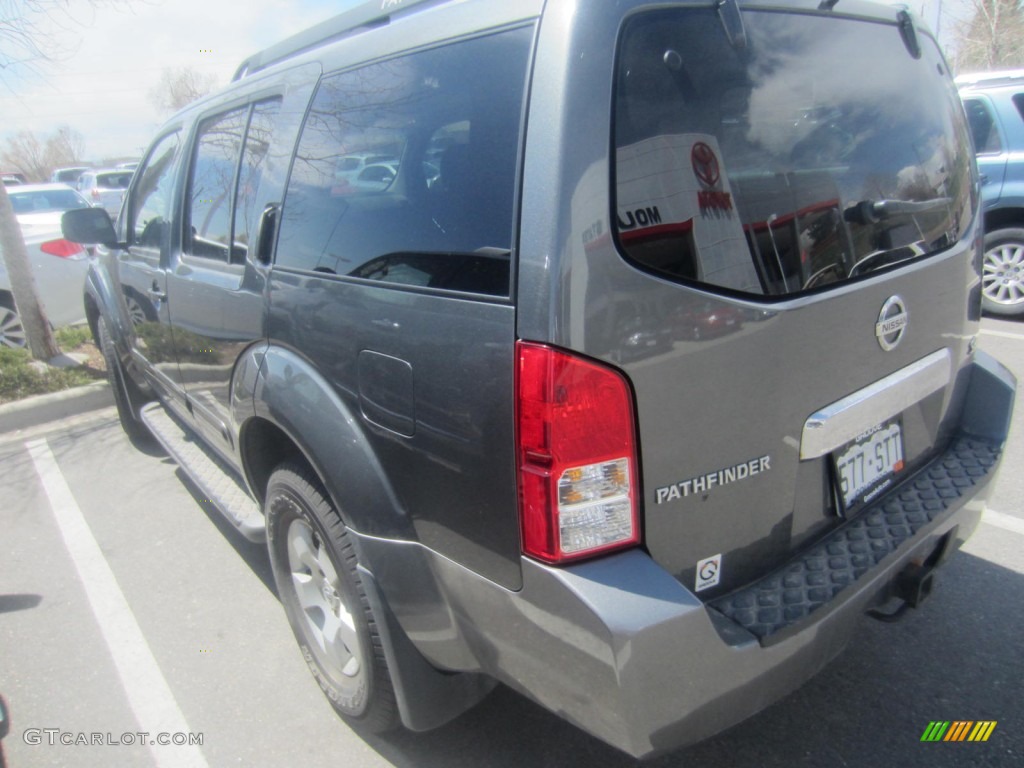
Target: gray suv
x=628 y=390
x=995 y=112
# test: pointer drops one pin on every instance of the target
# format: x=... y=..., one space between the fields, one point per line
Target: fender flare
x=292 y=395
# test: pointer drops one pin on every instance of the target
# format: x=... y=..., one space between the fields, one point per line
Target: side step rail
x=208 y=471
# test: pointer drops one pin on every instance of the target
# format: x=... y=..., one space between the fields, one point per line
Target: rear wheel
x=315 y=572
x=126 y=392
x=12 y=332
x=1003 y=272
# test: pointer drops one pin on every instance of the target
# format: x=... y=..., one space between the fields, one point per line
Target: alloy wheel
x=330 y=626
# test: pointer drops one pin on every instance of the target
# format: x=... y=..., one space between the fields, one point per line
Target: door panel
x=142 y=265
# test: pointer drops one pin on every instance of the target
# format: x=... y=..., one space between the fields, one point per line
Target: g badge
x=709 y=572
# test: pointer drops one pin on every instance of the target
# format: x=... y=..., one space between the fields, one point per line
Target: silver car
x=105 y=188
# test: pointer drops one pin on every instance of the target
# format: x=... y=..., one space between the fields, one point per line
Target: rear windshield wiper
x=869 y=212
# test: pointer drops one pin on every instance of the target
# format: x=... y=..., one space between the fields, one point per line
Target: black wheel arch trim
x=292 y=396
x=292 y=402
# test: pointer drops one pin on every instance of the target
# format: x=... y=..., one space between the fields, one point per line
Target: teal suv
x=995 y=112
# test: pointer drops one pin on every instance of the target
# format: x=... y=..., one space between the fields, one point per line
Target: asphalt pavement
x=130 y=615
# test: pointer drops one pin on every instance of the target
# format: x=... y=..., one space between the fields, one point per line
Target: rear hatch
x=795 y=196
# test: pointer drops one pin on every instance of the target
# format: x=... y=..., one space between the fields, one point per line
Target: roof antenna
x=732 y=22
x=827 y=5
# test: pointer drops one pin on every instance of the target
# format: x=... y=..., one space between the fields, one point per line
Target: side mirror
x=89 y=226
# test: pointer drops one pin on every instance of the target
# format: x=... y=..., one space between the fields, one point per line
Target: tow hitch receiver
x=912 y=586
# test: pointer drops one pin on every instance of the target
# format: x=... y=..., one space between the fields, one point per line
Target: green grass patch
x=72 y=336
x=19 y=379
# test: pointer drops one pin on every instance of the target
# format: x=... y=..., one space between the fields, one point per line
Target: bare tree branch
x=178 y=87
x=25 y=48
x=992 y=37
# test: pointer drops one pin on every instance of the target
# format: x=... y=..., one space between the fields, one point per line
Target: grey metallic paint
x=617 y=645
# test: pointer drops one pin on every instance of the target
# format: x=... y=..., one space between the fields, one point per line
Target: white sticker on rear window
x=709 y=572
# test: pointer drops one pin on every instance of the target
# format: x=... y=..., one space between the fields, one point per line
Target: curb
x=40 y=409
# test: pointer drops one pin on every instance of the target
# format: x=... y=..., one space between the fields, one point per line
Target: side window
x=406 y=170
x=151 y=207
x=983 y=127
x=254 y=158
x=1018 y=102
x=211 y=184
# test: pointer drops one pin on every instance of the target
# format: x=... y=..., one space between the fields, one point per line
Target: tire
x=12 y=332
x=1002 y=277
x=140 y=310
x=314 y=568
x=126 y=392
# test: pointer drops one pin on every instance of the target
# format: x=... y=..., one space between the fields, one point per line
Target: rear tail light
x=576 y=454
x=63 y=248
x=95 y=193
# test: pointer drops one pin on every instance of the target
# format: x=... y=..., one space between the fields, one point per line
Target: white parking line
x=1002 y=334
x=149 y=695
x=1004 y=521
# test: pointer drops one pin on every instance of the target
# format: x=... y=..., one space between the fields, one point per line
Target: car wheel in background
x=315 y=571
x=140 y=310
x=12 y=332
x=1002 y=276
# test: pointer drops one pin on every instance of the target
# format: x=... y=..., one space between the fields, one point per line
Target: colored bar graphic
x=982 y=730
x=959 y=730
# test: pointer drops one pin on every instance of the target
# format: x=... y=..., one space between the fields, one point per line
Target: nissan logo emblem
x=892 y=323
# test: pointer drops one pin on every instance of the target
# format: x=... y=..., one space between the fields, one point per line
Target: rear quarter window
x=405 y=171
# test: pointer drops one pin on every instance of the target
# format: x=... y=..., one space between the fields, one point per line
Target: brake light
x=576 y=456
x=63 y=248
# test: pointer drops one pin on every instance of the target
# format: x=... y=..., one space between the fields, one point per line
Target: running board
x=208 y=471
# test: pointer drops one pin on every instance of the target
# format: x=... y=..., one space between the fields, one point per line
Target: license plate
x=868 y=464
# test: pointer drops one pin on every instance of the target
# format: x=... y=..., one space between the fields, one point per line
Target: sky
x=110 y=58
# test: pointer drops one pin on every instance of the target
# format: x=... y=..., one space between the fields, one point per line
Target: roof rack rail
x=374 y=13
x=997 y=77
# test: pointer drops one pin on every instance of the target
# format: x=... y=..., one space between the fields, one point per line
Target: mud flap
x=427 y=697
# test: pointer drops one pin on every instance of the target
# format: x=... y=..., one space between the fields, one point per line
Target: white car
x=59 y=266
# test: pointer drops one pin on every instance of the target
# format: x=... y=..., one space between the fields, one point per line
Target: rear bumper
x=620 y=648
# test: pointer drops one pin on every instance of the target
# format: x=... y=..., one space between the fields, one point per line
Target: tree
x=180 y=86
x=25 y=45
x=40 y=339
x=36 y=157
x=991 y=38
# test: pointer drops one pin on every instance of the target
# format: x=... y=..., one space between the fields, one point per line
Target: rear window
x=114 y=180
x=46 y=201
x=820 y=153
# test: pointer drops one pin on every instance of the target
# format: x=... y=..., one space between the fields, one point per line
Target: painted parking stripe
x=1004 y=521
x=1002 y=334
x=149 y=696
